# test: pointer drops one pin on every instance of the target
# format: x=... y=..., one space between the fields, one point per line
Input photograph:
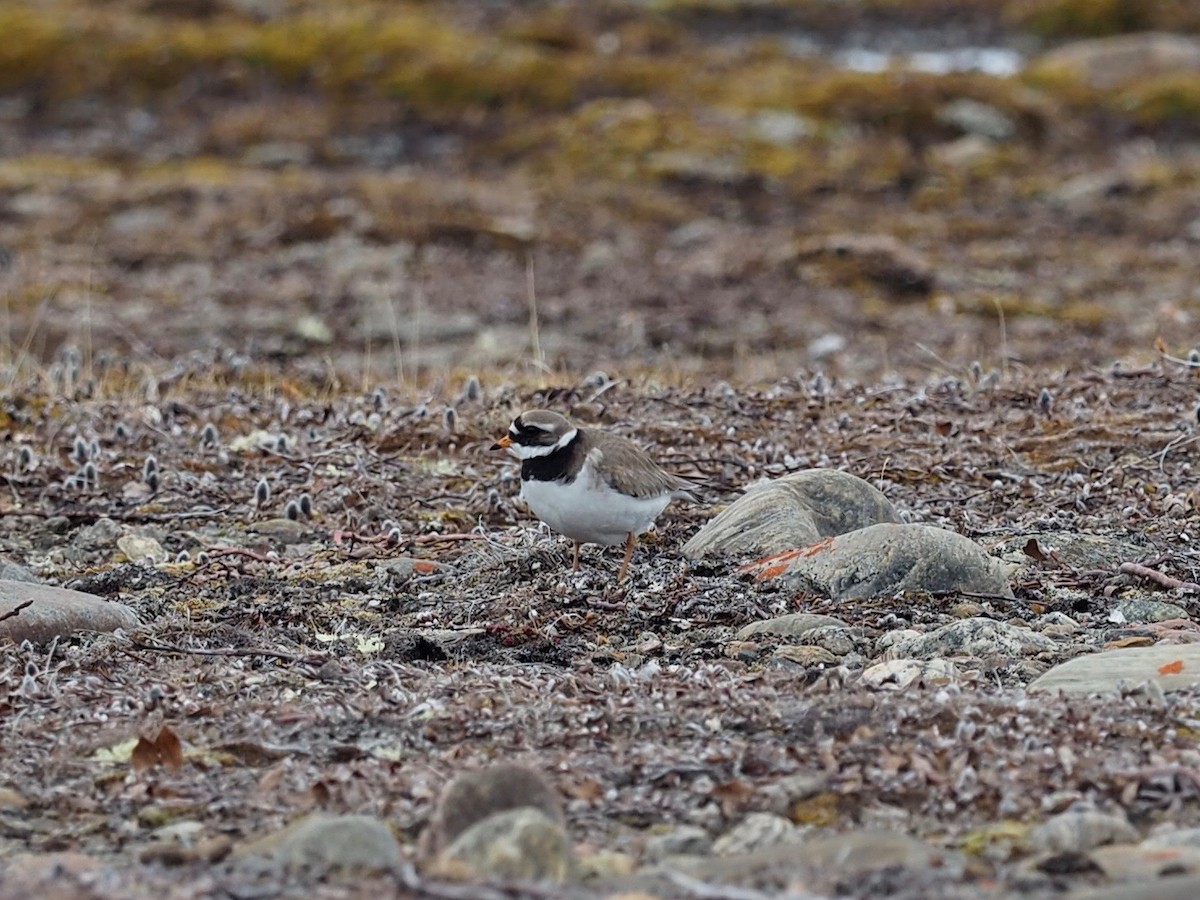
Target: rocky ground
x=270 y=295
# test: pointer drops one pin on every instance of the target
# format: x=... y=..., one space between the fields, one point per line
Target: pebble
x=758 y=831
x=1137 y=610
x=900 y=673
x=1077 y=831
x=789 y=625
x=142 y=549
x=678 y=841
x=805 y=655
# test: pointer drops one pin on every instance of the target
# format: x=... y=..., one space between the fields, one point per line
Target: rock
x=1174 y=667
x=1078 y=831
x=1106 y=63
x=757 y=831
x=796 y=510
x=10 y=571
x=972 y=637
x=1142 y=863
x=834 y=855
x=100 y=535
x=57 y=612
x=1081 y=551
x=978 y=119
x=840 y=640
x=321 y=845
x=1136 y=610
x=474 y=796
x=805 y=655
x=789 y=625
x=885 y=560
x=780 y=127
x=142 y=549
x=1183 y=887
x=785 y=793
x=281 y=530
x=901 y=673
x=1183 y=837
x=681 y=840
x=524 y=844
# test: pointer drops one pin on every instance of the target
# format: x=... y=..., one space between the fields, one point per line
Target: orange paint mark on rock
x=1171 y=668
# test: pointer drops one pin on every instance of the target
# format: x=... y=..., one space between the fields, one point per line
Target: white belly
x=591 y=513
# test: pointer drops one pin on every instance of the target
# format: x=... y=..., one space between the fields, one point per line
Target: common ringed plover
x=592 y=486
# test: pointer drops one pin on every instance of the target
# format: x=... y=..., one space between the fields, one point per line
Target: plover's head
x=537 y=432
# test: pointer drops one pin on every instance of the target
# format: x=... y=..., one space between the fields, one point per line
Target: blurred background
x=358 y=192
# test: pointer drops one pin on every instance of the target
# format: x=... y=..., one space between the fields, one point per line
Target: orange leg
x=629 y=544
x=575 y=565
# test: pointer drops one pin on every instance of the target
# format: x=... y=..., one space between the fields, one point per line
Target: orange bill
x=502 y=444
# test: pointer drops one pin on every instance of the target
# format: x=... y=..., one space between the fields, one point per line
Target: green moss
x=1100 y=18
x=1172 y=99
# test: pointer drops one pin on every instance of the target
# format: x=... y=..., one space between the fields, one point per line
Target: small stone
x=900 y=673
x=787 y=791
x=975 y=118
x=321 y=845
x=1150 y=610
x=678 y=841
x=100 y=535
x=789 y=625
x=57 y=612
x=522 y=843
x=805 y=655
x=1080 y=831
x=281 y=530
x=142 y=549
x=840 y=640
x=757 y=831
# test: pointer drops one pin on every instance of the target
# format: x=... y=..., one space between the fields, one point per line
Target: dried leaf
x=1034 y=550
x=170 y=749
x=144 y=755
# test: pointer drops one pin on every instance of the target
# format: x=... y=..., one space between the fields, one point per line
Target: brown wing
x=627 y=467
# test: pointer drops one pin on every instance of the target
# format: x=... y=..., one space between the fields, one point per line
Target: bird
x=593 y=486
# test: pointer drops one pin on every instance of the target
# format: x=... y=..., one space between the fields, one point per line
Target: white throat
x=523 y=452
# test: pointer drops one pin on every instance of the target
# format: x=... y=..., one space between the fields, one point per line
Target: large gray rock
x=884 y=560
x=1174 y=667
x=57 y=612
x=978 y=637
x=523 y=844
x=322 y=844
x=796 y=510
x=1105 y=63
x=474 y=796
